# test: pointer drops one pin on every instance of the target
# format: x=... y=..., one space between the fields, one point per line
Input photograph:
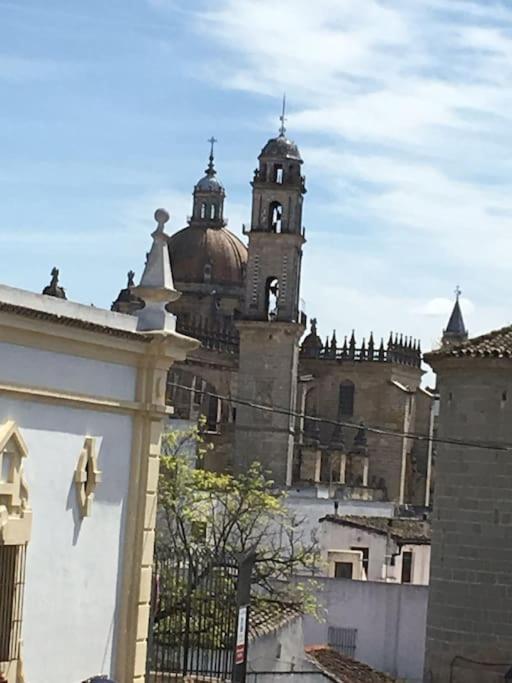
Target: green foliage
x=204 y=512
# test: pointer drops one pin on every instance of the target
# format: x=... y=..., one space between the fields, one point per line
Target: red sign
x=240 y=654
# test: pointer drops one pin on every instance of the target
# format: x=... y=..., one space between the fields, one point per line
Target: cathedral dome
x=281 y=148
x=207 y=255
x=209 y=183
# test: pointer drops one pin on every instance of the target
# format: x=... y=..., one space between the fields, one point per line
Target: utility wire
x=350 y=425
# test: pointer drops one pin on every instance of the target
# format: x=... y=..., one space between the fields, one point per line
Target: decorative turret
x=156 y=287
x=312 y=344
x=209 y=194
x=337 y=442
x=54 y=289
x=455 y=331
x=360 y=445
x=126 y=301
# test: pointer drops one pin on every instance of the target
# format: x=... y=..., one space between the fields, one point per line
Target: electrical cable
x=350 y=425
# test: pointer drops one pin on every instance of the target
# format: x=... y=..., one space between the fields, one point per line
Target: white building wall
x=73 y=565
x=44 y=369
x=420 y=565
x=309 y=507
x=390 y=620
x=334 y=536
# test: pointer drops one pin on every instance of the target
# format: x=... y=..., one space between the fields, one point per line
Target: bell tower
x=271 y=325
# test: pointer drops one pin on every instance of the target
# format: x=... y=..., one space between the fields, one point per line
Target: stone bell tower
x=271 y=325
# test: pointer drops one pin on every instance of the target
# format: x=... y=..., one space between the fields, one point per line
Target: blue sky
x=402 y=111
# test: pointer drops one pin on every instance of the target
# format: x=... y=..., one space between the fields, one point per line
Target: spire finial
x=131 y=281
x=211 y=169
x=282 y=118
x=161 y=218
x=458 y=292
x=156 y=287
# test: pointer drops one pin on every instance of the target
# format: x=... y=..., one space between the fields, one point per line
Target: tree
x=203 y=512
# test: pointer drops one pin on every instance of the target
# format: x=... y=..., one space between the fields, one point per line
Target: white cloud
x=406 y=111
x=443 y=307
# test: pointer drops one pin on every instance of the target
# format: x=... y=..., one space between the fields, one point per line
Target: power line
x=349 y=425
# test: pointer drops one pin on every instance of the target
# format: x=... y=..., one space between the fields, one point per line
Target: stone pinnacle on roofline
x=156 y=287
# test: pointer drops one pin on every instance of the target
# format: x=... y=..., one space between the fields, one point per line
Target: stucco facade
x=87 y=393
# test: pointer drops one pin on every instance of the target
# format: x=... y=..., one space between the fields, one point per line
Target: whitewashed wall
x=73 y=565
x=390 y=620
x=334 y=536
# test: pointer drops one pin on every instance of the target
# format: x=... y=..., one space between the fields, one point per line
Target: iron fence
x=195 y=614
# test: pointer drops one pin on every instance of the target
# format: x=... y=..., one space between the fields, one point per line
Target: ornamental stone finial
x=156 y=287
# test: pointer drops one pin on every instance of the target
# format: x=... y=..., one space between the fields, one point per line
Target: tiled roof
x=267 y=616
x=343 y=669
x=495 y=344
x=73 y=322
x=401 y=529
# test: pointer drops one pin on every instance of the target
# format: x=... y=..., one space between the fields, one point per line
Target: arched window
x=275 y=217
x=346 y=399
x=213 y=211
x=278 y=173
x=207 y=272
x=203 y=210
x=272 y=298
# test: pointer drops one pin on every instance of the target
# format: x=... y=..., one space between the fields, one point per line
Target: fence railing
x=196 y=604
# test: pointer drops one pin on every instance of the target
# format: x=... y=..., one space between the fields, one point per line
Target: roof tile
x=495 y=344
x=344 y=669
x=401 y=529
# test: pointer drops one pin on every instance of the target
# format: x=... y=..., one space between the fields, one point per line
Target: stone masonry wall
x=267 y=375
x=470 y=602
x=376 y=402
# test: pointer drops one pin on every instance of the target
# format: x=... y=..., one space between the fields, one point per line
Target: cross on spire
x=458 y=292
x=210 y=170
x=282 y=118
x=212 y=141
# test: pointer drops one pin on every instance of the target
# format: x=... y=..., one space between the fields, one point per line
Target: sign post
x=243 y=598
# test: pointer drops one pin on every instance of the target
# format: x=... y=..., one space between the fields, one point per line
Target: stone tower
x=271 y=324
x=469 y=621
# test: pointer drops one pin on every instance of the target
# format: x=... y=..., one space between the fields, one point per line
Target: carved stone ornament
x=87 y=476
x=15 y=513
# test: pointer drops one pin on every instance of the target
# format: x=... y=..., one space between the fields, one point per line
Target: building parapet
x=213 y=335
x=399 y=349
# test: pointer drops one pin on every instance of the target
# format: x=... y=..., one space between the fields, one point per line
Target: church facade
x=302 y=407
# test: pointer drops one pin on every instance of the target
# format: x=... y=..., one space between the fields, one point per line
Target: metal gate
x=197 y=602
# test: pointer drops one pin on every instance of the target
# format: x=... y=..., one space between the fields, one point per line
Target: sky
x=402 y=111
